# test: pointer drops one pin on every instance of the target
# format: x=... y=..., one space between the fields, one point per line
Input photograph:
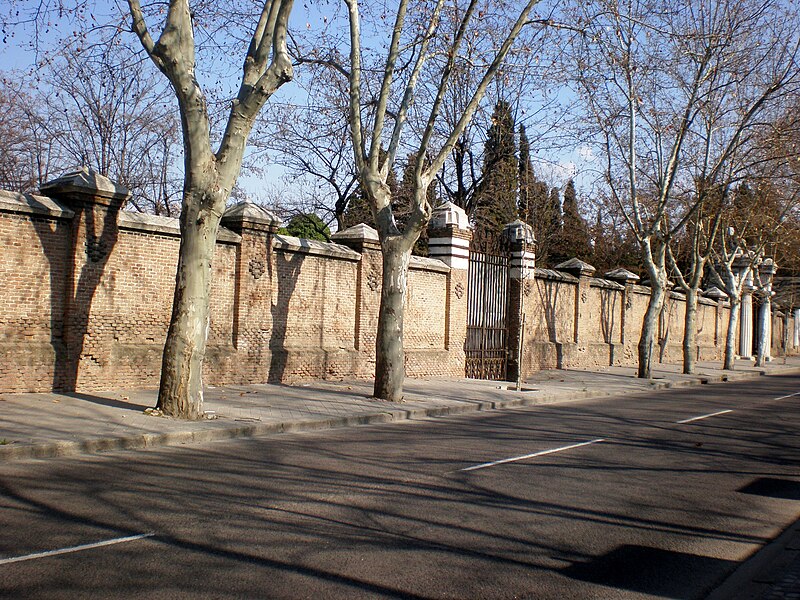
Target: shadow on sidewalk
x=110 y=402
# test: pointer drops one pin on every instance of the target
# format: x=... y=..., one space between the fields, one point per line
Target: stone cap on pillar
x=621 y=275
x=768 y=267
x=248 y=215
x=715 y=293
x=518 y=232
x=358 y=237
x=86 y=186
x=449 y=216
x=575 y=266
x=744 y=259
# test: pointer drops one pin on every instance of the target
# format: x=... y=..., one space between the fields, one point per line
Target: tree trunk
x=390 y=368
x=650 y=329
x=181 y=391
x=730 y=337
x=690 y=332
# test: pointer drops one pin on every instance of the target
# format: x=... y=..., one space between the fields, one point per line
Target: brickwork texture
x=87 y=294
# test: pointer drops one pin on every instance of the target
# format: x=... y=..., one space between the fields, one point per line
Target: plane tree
x=658 y=81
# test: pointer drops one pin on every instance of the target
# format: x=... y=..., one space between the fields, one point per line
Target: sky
x=272 y=181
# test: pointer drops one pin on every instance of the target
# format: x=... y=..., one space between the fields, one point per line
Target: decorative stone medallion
x=95 y=248
x=372 y=279
x=256 y=268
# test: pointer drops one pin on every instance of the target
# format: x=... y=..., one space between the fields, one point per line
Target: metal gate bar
x=487 y=316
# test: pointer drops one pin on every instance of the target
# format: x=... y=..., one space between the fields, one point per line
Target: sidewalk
x=50 y=424
x=55 y=424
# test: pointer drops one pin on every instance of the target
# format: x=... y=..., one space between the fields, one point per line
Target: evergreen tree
x=357 y=211
x=614 y=245
x=574 y=232
x=538 y=206
x=527 y=180
x=497 y=199
x=553 y=228
x=308 y=226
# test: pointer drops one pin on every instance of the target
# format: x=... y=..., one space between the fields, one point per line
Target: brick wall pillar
x=522 y=244
x=364 y=239
x=584 y=272
x=714 y=293
x=254 y=274
x=88 y=333
x=743 y=269
x=449 y=237
x=628 y=279
x=796 y=329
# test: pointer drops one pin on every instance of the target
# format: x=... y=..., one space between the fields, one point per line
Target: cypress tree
x=497 y=199
x=553 y=224
x=526 y=177
x=574 y=232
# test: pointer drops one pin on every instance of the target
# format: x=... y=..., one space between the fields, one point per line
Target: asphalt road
x=645 y=507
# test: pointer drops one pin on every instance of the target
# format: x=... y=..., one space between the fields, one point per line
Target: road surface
x=648 y=496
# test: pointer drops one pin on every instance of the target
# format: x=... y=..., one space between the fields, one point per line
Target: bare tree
x=312 y=140
x=701 y=233
x=647 y=71
x=29 y=154
x=750 y=226
x=209 y=175
x=106 y=110
x=416 y=46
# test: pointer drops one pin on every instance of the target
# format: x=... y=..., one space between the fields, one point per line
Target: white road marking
x=5 y=561
x=722 y=412
x=534 y=455
x=787 y=396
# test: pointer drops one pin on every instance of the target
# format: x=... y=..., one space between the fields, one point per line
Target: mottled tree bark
x=209 y=177
x=654 y=254
x=730 y=336
x=690 y=332
x=390 y=368
x=181 y=389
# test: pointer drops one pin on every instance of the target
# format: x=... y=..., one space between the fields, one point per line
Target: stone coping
x=424 y=263
x=85 y=180
x=31 y=204
x=554 y=275
x=607 y=284
x=136 y=221
x=314 y=248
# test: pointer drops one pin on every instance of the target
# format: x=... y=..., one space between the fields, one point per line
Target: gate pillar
x=522 y=246
x=449 y=236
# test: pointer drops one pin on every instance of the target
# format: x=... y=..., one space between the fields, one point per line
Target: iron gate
x=487 y=315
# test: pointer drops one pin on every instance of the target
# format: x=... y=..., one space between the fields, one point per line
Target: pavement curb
x=763 y=575
x=64 y=448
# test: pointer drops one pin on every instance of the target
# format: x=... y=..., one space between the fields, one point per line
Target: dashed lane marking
x=721 y=412
x=5 y=561
x=534 y=455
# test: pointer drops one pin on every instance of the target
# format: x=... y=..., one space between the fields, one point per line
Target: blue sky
x=557 y=170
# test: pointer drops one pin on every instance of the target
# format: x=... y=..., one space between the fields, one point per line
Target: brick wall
x=87 y=295
x=580 y=322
